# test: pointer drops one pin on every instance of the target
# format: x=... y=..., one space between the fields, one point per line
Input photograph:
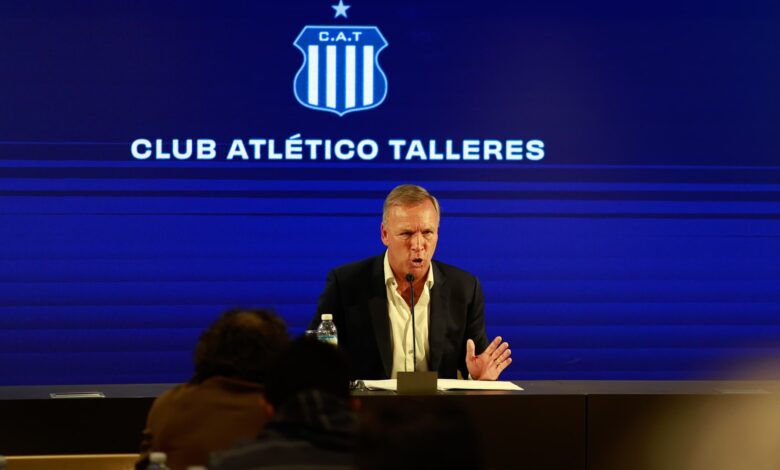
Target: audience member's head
x=308 y=364
x=242 y=344
x=417 y=434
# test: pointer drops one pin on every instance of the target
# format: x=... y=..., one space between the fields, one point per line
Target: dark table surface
x=530 y=387
x=550 y=425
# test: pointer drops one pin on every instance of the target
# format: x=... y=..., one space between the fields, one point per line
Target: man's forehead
x=424 y=208
x=416 y=225
x=413 y=216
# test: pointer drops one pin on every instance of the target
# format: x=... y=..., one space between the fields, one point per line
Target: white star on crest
x=341 y=9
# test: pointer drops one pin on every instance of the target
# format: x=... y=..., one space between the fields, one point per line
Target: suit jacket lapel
x=377 y=307
x=437 y=322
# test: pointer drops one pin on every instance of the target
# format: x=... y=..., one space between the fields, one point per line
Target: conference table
x=567 y=425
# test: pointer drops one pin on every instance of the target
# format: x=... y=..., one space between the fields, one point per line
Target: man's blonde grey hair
x=408 y=195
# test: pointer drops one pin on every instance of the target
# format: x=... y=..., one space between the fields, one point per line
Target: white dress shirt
x=401 y=324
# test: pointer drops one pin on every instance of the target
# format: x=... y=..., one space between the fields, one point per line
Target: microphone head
x=409 y=277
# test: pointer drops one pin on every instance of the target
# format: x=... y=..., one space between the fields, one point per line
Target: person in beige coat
x=223 y=403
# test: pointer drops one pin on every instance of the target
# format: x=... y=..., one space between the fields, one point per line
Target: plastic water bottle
x=157 y=461
x=326 y=332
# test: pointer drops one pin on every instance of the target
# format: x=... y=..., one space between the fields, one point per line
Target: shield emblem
x=340 y=71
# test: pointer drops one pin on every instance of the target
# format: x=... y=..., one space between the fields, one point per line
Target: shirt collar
x=390 y=278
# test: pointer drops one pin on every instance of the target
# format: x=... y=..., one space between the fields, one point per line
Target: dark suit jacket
x=356 y=296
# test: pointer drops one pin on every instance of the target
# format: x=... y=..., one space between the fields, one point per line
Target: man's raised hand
x=489 y=364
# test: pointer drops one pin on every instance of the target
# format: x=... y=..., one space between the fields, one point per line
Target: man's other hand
x=489 y=364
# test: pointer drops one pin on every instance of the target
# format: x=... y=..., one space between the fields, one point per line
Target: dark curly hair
x=242 y=343
x=308 y=364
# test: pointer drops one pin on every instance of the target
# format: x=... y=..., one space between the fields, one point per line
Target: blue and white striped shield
x=340 y=72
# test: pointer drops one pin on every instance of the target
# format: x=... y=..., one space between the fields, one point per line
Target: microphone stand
x=410 y=280
x=416 y=382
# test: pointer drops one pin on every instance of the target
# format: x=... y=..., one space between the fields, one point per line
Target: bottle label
x=330 y=339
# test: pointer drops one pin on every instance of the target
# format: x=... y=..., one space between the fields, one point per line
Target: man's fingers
x=504 y=356
x=504 y=364
x=500 y=350
x=492 y=346
x=470 y=349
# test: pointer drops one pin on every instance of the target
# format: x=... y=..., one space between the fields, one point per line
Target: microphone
x=410 y=280
x=415 y=382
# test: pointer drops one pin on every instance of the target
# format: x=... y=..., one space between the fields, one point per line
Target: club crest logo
x=340 y=71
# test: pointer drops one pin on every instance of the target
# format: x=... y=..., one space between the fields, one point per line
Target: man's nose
x=417 y=241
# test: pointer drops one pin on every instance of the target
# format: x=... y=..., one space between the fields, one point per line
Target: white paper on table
x=445 y=384
x=455 y=384
x=387 y=384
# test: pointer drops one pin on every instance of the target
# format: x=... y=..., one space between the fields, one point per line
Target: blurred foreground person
x=313 y=423
x=224 y=402
x=412 y=434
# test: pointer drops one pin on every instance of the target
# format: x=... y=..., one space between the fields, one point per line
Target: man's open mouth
x=417 y=262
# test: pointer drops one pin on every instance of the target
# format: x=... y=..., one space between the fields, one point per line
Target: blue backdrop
x=645 y=244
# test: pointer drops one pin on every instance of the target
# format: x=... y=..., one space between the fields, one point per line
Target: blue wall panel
x=644 y=245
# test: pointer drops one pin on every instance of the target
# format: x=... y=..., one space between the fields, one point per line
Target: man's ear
x=383 y=233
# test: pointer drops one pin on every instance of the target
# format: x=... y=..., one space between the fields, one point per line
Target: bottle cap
x=326 y=316
x=157 y=457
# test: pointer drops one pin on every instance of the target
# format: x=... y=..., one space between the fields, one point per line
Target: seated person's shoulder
x=170 y=395
x=231 y=458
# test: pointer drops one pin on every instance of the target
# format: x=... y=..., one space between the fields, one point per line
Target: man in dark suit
x=371 y=302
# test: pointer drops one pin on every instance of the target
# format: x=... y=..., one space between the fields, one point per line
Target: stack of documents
x=443 y=384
